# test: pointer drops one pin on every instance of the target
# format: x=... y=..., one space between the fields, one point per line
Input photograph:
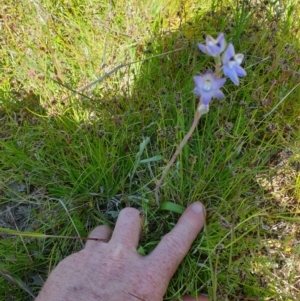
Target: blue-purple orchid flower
x=213 y=47
x=208 y=86
x=231 y=64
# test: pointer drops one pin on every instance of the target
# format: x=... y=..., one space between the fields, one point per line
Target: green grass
x=68 y=162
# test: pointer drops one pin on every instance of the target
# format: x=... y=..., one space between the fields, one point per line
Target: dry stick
x=183 y=142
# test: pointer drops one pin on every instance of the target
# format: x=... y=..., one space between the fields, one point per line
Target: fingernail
x=198 y=208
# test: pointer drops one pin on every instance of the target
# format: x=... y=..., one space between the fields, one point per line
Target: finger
x=190 y=298
x=102 y=233
x=168 y=254
x=128 y=228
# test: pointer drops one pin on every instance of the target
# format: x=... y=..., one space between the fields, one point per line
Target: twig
x=183 y=142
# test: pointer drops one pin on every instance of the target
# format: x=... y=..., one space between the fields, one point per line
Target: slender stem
x=183 y=142
x=218 y=66
x=218 y=71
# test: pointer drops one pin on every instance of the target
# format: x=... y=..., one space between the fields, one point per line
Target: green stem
x=218 y=66
x=183 y=142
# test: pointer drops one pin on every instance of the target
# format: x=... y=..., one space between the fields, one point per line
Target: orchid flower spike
x=213 y=47
x=231 y=64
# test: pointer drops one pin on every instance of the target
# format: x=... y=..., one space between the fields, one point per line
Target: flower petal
x=228 y=54
x=210 y=40
x=202 y=48
x=213 y=50
x=198 y=80
x=218 y=83
x=218 y=94
x=208 y=76
x=231 y=73
x=239 y=58
x=240 y=71
x=206 y=98
x=197 y=91
x=221 y=41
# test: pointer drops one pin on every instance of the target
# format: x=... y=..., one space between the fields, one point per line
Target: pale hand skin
x=114 y=271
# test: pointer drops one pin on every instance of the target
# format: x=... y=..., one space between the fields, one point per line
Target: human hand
x=114 y=271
